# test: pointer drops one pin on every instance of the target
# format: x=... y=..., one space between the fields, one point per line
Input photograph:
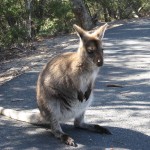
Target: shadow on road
x=24 y=136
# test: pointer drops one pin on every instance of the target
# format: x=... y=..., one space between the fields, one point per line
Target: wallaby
x=65 y=86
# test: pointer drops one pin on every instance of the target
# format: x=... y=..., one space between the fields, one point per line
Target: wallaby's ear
x=79 y=31
x=100 y=31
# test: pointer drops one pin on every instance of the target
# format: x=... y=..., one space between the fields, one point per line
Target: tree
x=28 y=8
x=82 y=14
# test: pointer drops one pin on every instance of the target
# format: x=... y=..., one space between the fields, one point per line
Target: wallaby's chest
x=78 y=107
x=84 y=82
x=87 y=79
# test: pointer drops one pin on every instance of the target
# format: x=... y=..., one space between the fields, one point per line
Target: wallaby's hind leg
x=57 y=131
x=56 y=128
x=79 y=123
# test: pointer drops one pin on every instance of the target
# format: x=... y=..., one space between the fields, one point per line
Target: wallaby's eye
x=90 y=51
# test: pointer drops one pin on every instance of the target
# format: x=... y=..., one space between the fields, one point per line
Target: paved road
x=125 y=111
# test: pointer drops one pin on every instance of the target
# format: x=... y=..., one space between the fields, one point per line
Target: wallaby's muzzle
x=100 y=62
x=98 y=59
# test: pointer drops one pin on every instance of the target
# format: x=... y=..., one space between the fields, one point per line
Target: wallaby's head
x=90 y=47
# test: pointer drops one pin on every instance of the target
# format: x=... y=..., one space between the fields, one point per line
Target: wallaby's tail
x=29 y=116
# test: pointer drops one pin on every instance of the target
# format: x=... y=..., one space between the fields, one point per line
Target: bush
x=60 y=19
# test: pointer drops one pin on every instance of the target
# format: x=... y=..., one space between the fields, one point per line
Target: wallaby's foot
x=101 y=130
x=93 y=127
x=68 y=140
x=79 y=123
x=64 y=138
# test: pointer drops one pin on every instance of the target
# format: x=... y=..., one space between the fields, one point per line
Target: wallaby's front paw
x=80 y=96
x=101 y=130
x=87 y=93
x=68 y=140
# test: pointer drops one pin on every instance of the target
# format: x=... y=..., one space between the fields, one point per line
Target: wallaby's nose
x=99 y=62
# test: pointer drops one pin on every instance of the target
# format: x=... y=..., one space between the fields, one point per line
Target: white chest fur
x=86 y=79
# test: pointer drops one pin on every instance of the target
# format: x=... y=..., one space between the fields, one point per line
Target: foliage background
x=21 y=23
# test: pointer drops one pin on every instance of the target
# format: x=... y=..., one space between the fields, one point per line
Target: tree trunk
x=82 y=14
x=106 y=14
x=28 y=9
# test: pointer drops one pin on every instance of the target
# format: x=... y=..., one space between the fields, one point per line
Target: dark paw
x=87 y=94
x=80 y=96
x=101 y=130
x=68 y=140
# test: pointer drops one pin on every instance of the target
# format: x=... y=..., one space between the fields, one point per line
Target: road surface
x=124 y=110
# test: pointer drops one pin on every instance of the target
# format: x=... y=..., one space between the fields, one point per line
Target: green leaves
x=52 y=17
